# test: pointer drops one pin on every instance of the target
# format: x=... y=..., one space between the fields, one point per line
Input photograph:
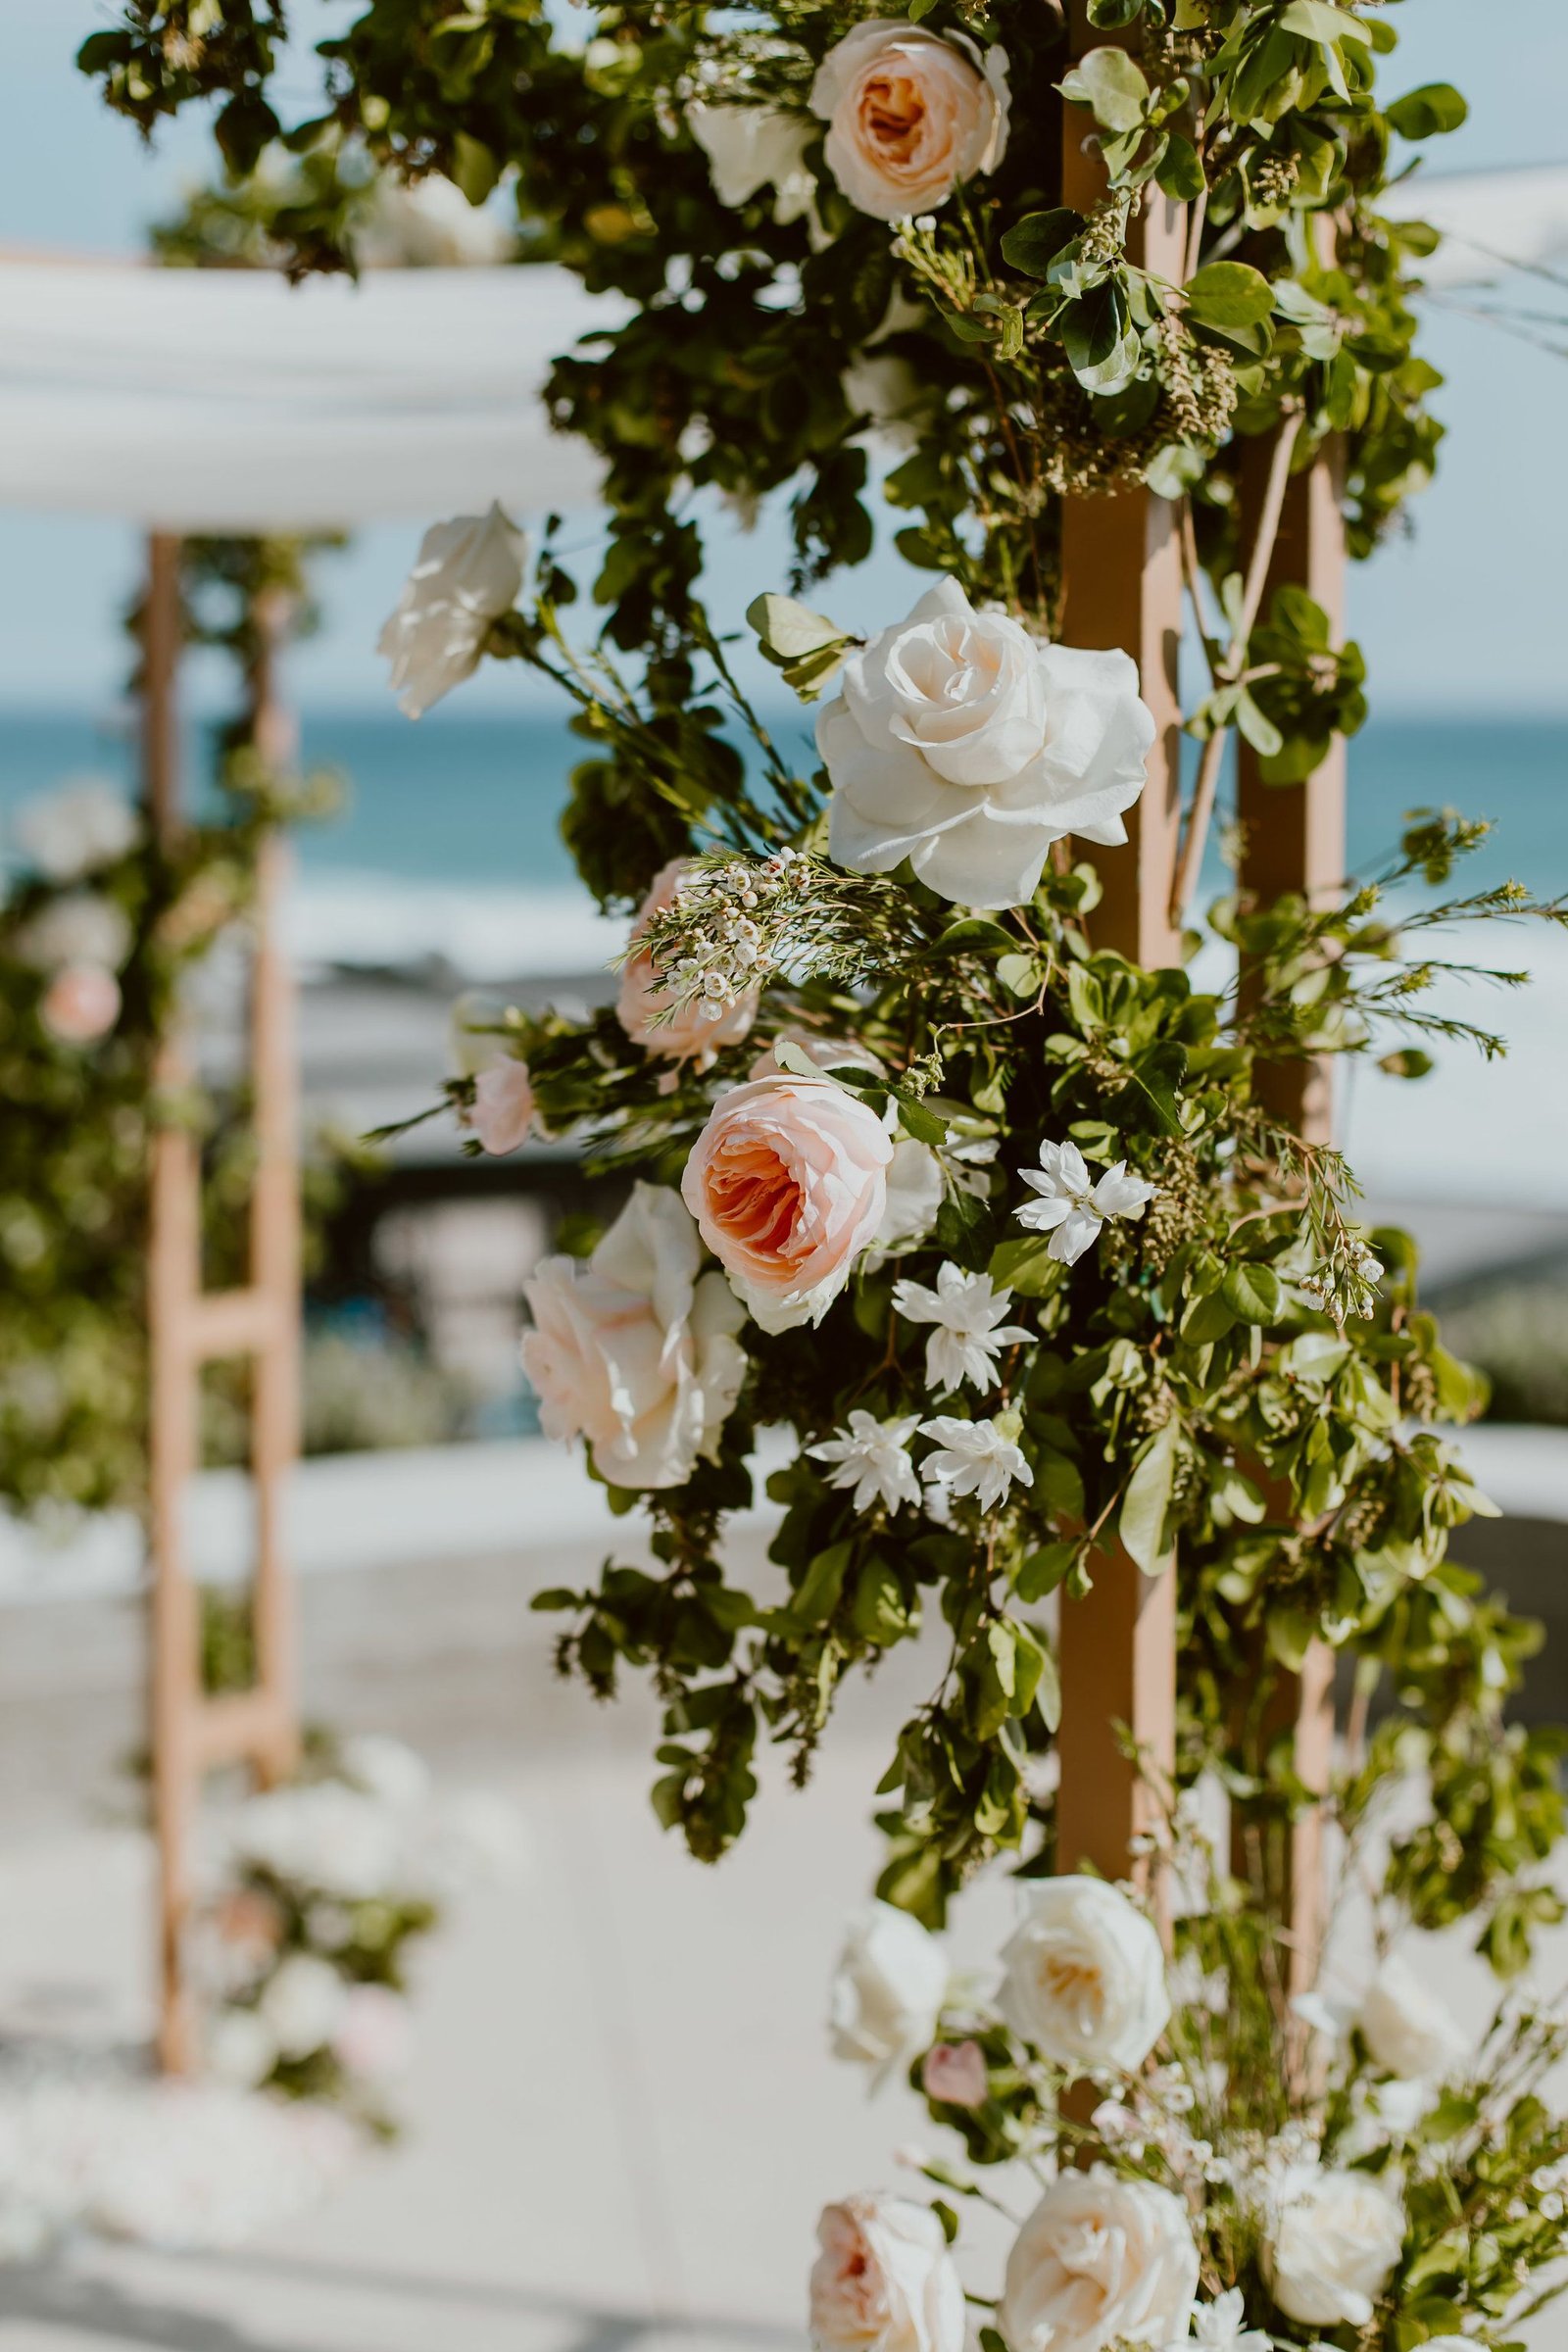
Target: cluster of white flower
x=1344 y=1283
x=91 y=2143
x=319 y=1886
x=1109 y=2255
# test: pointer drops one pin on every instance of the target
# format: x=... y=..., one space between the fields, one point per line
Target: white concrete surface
x=623 y=2120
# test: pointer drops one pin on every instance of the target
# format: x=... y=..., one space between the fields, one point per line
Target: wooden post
x=1122 y=586
x=1293 y=838
x=1121 y=570
x=187 y=1327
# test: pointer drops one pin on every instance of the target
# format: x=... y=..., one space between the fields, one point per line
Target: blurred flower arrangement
x=1183 y=2154
x=100 y=926
x=318 y=1892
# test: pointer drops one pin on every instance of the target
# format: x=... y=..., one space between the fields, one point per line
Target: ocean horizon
x=458 y=799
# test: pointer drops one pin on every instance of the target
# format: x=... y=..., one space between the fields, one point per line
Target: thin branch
x=1233 y=666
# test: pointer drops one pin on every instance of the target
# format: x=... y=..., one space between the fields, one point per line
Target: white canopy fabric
x=209 y=400
x=1494 y=223
x=216 y=400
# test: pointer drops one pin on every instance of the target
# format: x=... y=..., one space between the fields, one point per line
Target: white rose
x=466 y=575
x=752 y=147
x=74 y=831
x=1085 y=1976
x=80 y=928
x=890 y=394
x=886 y=1990
x=884 y=2280
x=1100 y=2262
x=1333 y=2242
x=303 y=2004
x=633 y=1349
x=963 y=744
x=914 y=1193
x=241 y=2048
x=387 y=1769
x=335 y=1841
x=371 y=2037
x=909 y=114
x=1407 y=2028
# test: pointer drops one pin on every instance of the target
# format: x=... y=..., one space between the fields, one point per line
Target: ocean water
x=456 y=801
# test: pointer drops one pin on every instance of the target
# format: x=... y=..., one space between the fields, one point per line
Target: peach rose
x=81 y=1004
x=789 y=1183
x=693 y=1032
x=503 y=1113
x=884 y=2280
x=909 y=114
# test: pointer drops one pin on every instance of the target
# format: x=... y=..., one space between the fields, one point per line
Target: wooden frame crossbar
x=189 y=1327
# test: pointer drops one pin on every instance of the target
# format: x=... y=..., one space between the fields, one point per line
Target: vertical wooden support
x=173 y=1265
x=1121 y=571
x=1293 y=834
x=1122 y=586
x=189 y=1732
x=1294 y=842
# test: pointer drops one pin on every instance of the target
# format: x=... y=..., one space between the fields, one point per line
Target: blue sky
x=1468 y=612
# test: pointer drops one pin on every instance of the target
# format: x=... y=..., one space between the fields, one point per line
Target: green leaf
x=1229 y=294
x=1316 y=21
x=823 y=1582
x=879 y=1612
x=1033 y=243
x=1254 y=1294
x=474 y=166
x=917 y=1120
x=1111 y=84
x=1044 y=1570
x=787 y=628
x=1142 y=1523
x=1109 y=16
x=1179 y=174
x=1424 y=114
x=1101 y=345
x=1047 y=1690
x=1150 y=1096
x=1026 y=1265
x=976 y=931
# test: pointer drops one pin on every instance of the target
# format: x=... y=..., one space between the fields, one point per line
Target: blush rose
x=788 y=1183
x=692 y=1032
x=910 y=115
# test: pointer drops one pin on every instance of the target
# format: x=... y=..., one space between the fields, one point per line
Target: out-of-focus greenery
x=1517 y=1334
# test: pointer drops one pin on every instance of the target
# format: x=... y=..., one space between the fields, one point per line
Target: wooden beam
x=1293 y=835
x=173 y=1273
x=1122 y=586
x=1293 y=841
x=1117 y=1653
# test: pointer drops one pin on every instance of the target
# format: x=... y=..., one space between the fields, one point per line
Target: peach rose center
x=755 y=1199
x=893 y=114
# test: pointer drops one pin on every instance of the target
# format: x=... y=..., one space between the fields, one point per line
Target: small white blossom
x=970 y=1332
x=1071 y=1209
x=1221 y=2326
x=86 y=824
x=975 y=1457
x=871 y=1455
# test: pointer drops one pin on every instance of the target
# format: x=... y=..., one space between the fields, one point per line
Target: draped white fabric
x=227 y=400
x=1494 y=223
